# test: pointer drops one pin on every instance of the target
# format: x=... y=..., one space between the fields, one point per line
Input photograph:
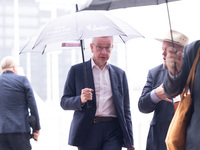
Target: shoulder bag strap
x=192 y=73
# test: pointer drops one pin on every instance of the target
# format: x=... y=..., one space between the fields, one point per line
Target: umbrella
x=82 y=25
x=116 y=4
x=79 y=26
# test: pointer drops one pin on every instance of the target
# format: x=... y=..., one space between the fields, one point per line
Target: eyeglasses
x=100 y=48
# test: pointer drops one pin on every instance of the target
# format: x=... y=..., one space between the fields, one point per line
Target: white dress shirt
x=104 y=100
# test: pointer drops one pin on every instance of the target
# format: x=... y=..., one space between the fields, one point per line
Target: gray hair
x=94 y=38
x=7 y=62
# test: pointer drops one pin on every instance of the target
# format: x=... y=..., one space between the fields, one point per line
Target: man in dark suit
x=174 y=83
x=16 y=99
x=102 y=117
x=153 y=98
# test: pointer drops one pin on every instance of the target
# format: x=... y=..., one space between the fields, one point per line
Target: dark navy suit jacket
x=163 y=110
x=16 y=96
x=175 y=87
x=83 y=116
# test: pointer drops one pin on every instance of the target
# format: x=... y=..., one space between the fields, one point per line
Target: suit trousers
x=15 y=141
x=103 y=136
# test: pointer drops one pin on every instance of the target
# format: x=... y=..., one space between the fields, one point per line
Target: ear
x=92 y=47
x=15 y=69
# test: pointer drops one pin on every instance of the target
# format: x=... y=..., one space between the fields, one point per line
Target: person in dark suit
x=153 y=98
x=174 y=83
x=15 y=102
x=102 y=117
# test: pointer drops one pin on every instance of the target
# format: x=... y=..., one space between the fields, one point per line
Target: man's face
x=167 y=44
x=101 y=49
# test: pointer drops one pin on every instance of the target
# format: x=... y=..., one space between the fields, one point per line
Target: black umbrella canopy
x=116 y=4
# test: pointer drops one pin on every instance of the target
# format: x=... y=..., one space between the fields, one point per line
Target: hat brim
x=168 y=40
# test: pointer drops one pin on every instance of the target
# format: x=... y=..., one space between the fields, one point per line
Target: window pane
x=28 y=22
x=9 y=43
x=9 y=32
x=9 y=10
x=28 y=11
x=9 y=21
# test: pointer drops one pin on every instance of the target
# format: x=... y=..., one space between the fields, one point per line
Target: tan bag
x=176 y=135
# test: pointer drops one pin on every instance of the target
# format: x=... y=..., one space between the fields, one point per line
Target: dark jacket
x=163 y=110
x=15 y=100
x=83 y=116
x=175 y=87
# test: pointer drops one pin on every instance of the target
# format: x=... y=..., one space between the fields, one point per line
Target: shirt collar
x=8 y=71
x=93 y=64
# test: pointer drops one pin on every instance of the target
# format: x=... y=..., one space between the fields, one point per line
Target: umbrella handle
x=84 y=66
x=175 y=69
x=89 y=104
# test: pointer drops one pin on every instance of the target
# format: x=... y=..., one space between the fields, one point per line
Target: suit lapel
x=114 y=81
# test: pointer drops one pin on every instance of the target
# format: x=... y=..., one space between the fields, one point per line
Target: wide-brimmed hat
x=178 y=38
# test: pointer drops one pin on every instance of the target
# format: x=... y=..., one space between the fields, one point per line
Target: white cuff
x=154 y=98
